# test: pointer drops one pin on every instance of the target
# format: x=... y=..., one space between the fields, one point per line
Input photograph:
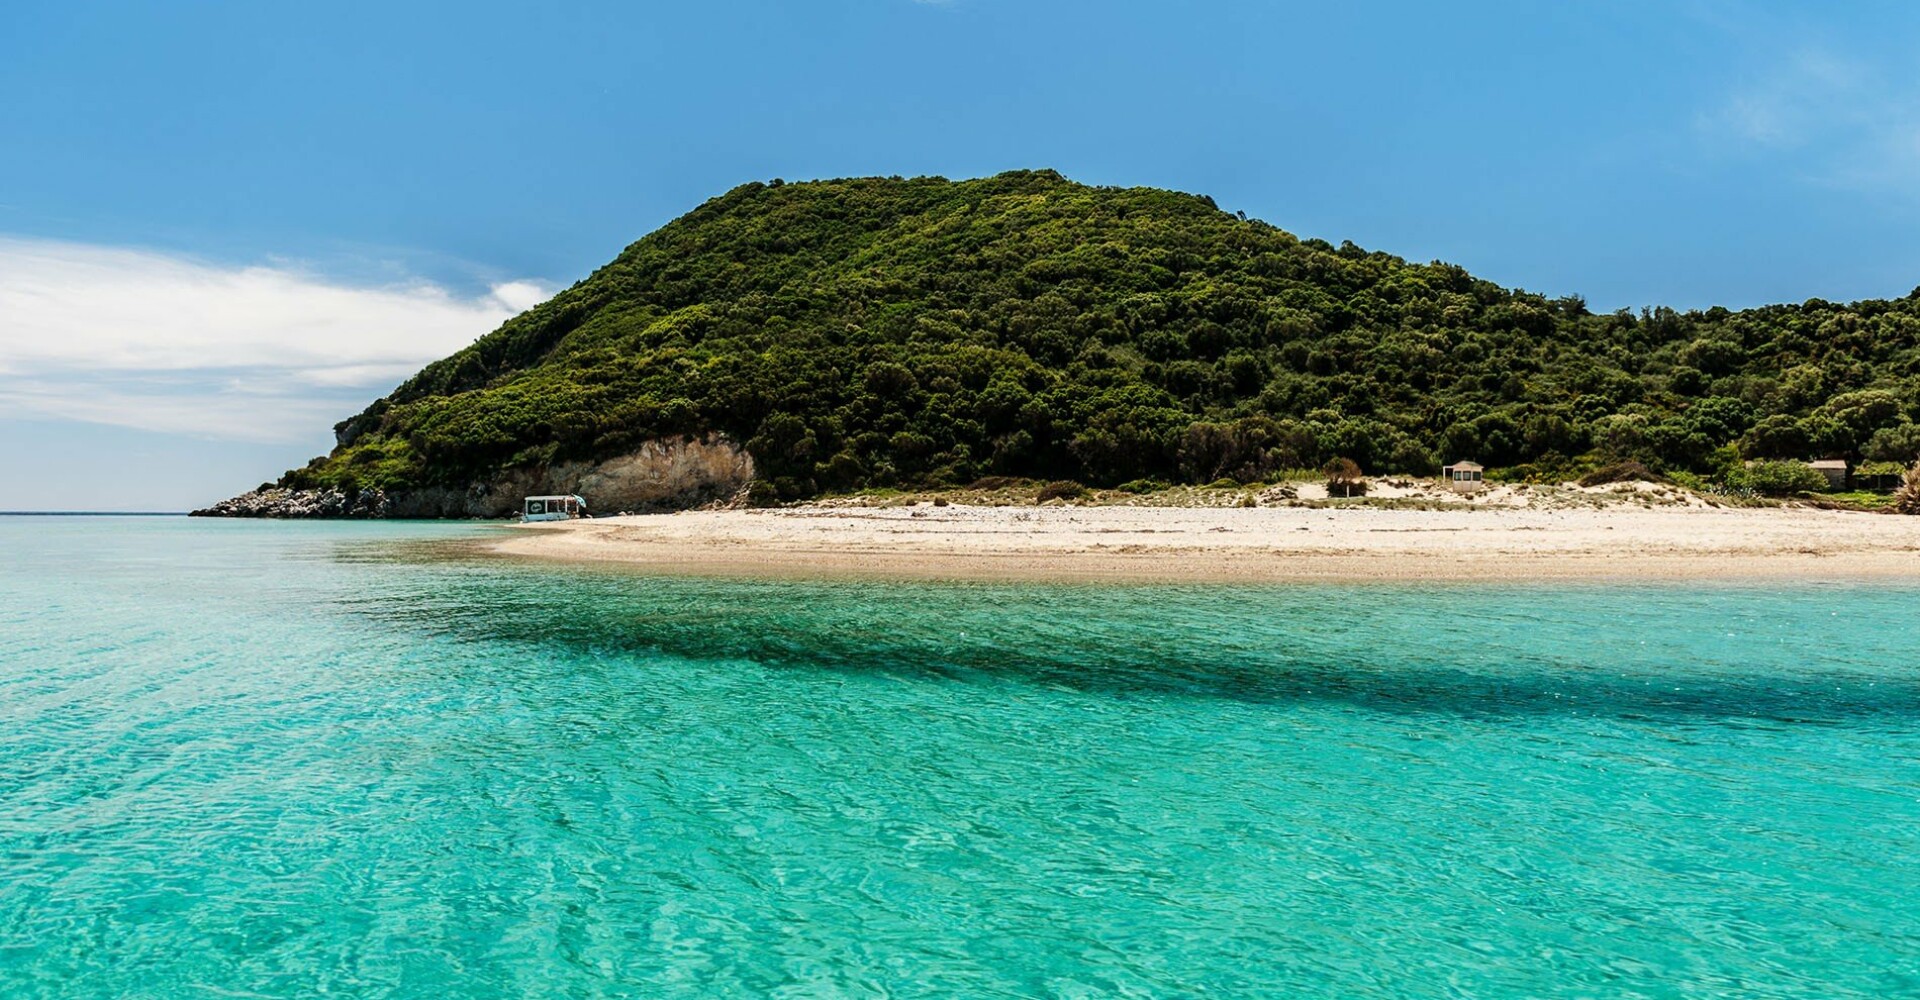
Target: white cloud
x=196 y=406
x=142 y=339
x=519 y=296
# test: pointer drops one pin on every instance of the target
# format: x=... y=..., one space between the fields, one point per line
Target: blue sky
x=224 y=226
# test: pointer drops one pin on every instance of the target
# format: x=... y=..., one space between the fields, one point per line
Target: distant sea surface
x=245 y=759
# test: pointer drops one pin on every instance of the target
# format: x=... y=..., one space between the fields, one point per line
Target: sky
x=225 y=226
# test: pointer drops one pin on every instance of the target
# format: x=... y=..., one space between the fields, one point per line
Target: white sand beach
x=1634 y=532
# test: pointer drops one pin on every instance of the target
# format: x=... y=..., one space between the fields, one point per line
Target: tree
x=1777 y=436
x=1899 y=443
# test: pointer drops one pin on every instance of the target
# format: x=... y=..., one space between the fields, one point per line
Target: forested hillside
x=887 y=331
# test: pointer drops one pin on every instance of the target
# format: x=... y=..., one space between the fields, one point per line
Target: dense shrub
x=1060 y=490
x=1620 y=472
x=1776 y=478
x=890 y=332
x=1344 y=478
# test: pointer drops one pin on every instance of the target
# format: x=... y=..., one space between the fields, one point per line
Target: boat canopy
x=560 y=505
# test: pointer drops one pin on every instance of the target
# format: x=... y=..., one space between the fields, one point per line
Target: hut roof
x=1828 y=463
x=1468 y=466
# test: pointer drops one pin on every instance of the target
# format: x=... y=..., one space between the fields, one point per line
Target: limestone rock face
x=663 y=474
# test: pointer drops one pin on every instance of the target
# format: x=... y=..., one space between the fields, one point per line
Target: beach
x=1628 y=534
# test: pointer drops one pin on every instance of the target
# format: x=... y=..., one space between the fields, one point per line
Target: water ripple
x=234 y=763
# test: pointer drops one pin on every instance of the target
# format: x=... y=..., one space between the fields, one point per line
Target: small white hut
x=1834 y=469
x=1464 y=477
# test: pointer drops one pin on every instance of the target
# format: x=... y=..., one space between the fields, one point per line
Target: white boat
x=558 y=508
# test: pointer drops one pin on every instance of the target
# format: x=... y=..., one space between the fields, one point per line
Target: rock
x=663 y=474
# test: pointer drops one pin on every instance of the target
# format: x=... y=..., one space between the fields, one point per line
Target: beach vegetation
x=1776 y=478
x=1629 y=471
x=1689 y=481
x=1906 y=500
x=1344 y=478
x=1064 y=489
x=1852 y=500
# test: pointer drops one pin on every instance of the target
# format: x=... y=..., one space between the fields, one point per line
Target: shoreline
x=1139 y=544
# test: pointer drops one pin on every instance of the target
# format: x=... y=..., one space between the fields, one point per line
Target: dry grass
x=1906 y=500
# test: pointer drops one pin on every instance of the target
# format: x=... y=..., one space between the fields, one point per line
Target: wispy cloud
x=1796 y=101
x=1841 y=121
x=264 y=353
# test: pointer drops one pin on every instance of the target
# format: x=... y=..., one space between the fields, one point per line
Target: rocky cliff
x=662 y=474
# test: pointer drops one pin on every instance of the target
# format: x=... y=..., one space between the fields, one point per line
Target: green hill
x=884 y=331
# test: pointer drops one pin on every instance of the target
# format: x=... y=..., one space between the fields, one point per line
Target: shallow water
x=242 y=758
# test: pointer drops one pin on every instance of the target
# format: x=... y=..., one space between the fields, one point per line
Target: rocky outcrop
x=663 y=474
x=277 y=502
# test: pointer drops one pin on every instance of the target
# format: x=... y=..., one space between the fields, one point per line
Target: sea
x=274 y=759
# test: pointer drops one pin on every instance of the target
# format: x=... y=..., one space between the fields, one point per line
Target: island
x=1022 y=340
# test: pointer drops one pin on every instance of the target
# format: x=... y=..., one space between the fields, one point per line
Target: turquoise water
x=254 y=759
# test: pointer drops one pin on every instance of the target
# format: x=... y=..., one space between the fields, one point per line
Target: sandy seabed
x=1234 y=544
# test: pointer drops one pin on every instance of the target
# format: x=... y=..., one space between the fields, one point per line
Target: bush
x=1625 y=472
x=763 y=494
x=1143 y=486
x=1552 y=467
x=1907 y=499
x=1776 y=478
x=1062 y=489
x=1344 y=478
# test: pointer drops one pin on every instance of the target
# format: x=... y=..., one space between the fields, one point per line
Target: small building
x=1834 y=469
x=555 y=508
x=1878 y=477
x=1465 y=477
